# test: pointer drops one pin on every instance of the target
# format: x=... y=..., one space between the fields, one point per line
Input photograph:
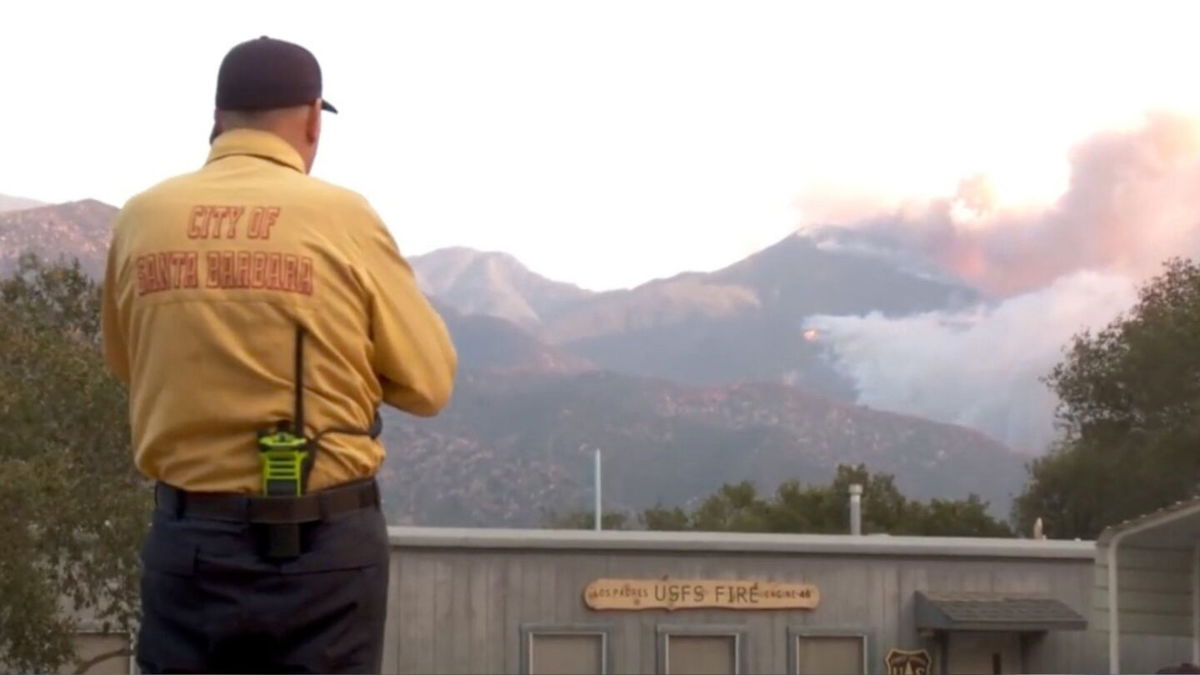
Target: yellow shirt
x=209 y=275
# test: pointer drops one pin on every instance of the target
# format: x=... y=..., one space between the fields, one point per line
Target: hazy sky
x=604 y=143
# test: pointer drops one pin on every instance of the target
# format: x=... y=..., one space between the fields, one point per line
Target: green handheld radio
x=284 y=458
x=286 y=454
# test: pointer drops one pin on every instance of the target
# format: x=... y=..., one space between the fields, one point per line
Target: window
x=701 y=650
x=827 y=652
x=565 y=650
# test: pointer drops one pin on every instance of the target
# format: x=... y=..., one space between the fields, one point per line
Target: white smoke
x=980 y=368
x=1133 y=201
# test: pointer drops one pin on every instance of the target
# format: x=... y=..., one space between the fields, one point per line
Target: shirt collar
x=255 y=143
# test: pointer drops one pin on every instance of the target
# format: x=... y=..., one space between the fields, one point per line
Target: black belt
x=307 y=508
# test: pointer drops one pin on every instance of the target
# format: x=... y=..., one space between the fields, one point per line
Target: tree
x=72 y=508
x=960 y=518
x=664 y=518
x=586 y=520
x=1129 y=414
x=797 y=507
x=825 y=509
x=734 y=508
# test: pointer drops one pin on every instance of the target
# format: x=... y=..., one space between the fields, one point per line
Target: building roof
x=734 y=543
x=981 y=611
x=1174 y=526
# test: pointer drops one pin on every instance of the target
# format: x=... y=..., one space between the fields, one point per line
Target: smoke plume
x=1133 y=201
x=982 y=368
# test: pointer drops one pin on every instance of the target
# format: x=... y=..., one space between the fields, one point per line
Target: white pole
x=598 y=511
x=1196 y=603
x=1114 y=612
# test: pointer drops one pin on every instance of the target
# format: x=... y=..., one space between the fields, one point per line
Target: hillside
x=493 y=344
x=72 y=230
x=534 y=399
x=747 y=321
x=796 y=277
x=9 y=203
x=512 y=447
x=742 y=323
x=493 y=284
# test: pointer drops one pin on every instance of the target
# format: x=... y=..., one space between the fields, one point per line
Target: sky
x=1047 y=153
x=605 y=143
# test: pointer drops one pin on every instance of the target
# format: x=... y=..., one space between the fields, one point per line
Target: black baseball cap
x=267 y=73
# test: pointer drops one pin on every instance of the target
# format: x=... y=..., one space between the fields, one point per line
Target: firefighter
x=260 y=317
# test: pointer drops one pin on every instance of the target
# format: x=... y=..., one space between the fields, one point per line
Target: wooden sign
x=672 y=594
x=908 y=662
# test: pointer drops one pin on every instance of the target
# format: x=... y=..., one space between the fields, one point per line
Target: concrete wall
x=459 y=598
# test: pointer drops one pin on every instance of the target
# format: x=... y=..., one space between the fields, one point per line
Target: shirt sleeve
x=116 y=350
x=414 y=356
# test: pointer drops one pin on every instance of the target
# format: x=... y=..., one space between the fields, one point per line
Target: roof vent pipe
x=856 y=509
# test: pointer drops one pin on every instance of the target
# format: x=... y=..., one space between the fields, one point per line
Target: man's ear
x=313 y=123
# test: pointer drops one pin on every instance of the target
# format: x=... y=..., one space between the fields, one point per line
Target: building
x=1148 y=568
x=555 y=601
x=565 y=601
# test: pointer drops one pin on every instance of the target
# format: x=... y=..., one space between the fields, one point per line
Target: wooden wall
x=461 y=610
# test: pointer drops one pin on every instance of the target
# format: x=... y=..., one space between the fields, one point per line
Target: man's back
x=218 y=282
x=210 y=275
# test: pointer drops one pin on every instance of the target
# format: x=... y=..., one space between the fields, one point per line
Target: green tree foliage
x=664 y=518
x=1130 y=414
x=734 y=508
x=796 y=507
x=800 y=508
x=586 y=520
x=72 y=509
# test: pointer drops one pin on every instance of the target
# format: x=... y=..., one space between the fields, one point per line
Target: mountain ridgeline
x=73 y=230
x=494 y=285
x=742 y=323
x=684 y=383
x=17 y=203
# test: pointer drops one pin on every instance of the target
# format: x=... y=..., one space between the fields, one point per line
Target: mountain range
x=17 y=203
x=77 y=230
x=495 y=284
x=745 y=322
x=514 y=447
x=684 y=383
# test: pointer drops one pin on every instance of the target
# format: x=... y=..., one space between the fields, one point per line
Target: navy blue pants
x=211 y=603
